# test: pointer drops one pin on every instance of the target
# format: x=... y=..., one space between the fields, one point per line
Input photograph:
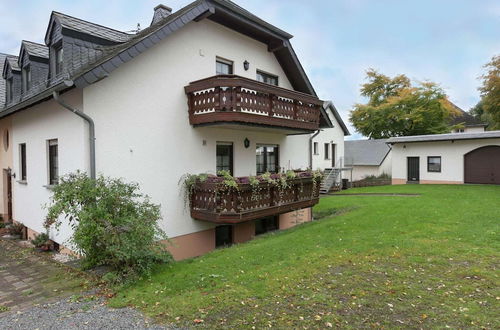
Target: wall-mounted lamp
x=246 y=143
x=246 y=65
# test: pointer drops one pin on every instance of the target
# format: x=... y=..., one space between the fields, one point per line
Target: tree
x=396 y=108
x=113 y=224
x=490 y=92
x=479 y=113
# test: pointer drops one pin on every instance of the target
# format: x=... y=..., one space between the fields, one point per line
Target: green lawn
x=371 y=261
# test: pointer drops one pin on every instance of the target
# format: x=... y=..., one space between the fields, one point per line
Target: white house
x=454 y=158
x=206 y=88
x=368 y=158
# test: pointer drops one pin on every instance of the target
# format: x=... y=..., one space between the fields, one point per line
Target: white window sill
x=50 y=186
x=22 y=181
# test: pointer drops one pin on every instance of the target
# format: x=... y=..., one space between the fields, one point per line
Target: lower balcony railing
x=216 y=202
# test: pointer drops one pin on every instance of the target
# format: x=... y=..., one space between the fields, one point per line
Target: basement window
x=266 y=225
x=53 y=161
x=434 y=164
x=223 y=236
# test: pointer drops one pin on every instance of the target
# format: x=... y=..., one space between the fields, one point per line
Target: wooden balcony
x=230 y=99
x=209 y=202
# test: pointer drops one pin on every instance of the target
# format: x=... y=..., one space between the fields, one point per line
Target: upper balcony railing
x=239 y=100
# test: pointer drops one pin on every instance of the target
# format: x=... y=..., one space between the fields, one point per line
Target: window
x=315 y=148
x=26 y=76
x=266 y=225
x=224 y=157
x=223 y=235
x=53 y=162
x=327 y=150
x=267 y=78
x=223 y=66
x=434 y=164
x=22 y=161
x=59 y=59
x=9 y=90
x=267 y=157
x=459 y=130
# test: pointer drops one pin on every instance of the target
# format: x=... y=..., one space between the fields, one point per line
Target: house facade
x=210 y=87
x=454 y=158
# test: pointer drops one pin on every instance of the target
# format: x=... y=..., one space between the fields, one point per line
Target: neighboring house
x=446 y=158
x=206 y=88
x=325 y=146
x=368 y=158
x=5 y=153
x=467 y=123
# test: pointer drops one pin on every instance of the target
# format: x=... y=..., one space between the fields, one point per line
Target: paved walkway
x=37 y=293
x=27 y=279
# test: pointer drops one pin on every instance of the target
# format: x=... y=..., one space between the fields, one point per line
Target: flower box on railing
x=213 y=200
x=239 y=100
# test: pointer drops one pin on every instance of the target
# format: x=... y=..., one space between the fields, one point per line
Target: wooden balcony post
x=270 y=112
x=295 y=114
x=236 y=99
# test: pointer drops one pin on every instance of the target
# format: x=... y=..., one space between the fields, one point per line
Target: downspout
x=89 y=120
x=311 y=147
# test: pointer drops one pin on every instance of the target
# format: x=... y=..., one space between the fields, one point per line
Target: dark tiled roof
x=465 y=118
x=445 y=137
x=97 y=30
x=13 y=62
x=35 y=49
x=365 y=152
x=104 y=59
x=2 y=81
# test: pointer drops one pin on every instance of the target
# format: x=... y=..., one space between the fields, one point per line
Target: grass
x=371 y=261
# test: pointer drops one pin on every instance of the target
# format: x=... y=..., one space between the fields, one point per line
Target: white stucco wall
x=474 y=129
x=452 y=158
x=34 y=127
x=142 y=126
x=331 y=136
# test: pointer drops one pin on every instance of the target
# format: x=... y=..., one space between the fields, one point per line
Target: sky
x=445 y=41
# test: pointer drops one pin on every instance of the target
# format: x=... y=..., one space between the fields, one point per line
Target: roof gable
x=220 y=11
x=329 y=107
x=2 y=81
x=35 y=51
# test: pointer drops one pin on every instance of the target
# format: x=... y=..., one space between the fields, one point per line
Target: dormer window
x=26 y=77
x=59 y=59
x=9 y=90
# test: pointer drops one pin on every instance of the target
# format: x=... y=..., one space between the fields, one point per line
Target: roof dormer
x=34 y=64
x=74 y=43
x=12 y=75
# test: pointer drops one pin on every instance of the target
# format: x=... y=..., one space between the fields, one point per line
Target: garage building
x=454 y=158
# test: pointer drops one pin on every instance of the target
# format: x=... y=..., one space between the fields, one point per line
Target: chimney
x=161 y=11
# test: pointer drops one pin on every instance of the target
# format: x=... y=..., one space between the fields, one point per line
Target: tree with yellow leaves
x=395 y=107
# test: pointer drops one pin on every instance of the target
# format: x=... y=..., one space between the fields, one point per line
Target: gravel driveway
x=69 y=314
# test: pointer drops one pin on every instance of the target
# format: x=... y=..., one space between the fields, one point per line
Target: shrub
x=40 y=240
x=113 y=224
x=16 y=229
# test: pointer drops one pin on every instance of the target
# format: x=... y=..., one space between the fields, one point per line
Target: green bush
x=113 y=224
x=40 y=240
x=16 y=229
